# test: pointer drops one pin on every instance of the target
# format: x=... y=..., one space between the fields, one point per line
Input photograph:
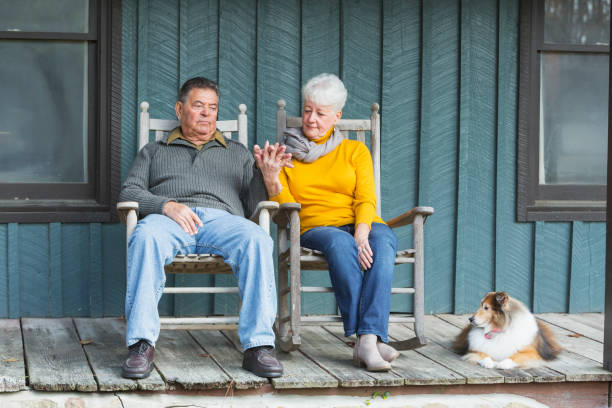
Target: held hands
x=364 y=252
x=270 y=160
x=184 y=216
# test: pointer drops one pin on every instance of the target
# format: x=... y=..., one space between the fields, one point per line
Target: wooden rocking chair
x=195 y=263
x=292 y=258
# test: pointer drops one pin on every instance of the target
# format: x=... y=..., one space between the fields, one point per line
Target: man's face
x=198 y=115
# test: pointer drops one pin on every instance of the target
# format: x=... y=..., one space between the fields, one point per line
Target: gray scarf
x=306 y=151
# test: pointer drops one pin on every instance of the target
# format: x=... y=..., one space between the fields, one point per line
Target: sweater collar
x=178 y=134
x=325 y=137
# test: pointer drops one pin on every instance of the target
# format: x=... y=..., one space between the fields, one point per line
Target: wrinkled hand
x=183 y=216
x=364 y=252
x=270 y=160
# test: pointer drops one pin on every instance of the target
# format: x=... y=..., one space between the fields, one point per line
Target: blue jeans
x=243 y=245
x=364 y=298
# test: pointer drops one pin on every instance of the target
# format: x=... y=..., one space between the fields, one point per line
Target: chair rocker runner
x=194 y=263
x=292 y=258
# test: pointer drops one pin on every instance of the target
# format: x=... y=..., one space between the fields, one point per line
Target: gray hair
x=326 y=90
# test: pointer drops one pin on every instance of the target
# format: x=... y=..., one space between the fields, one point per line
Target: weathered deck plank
x=55 y=358
x=12 y=362
x=337 y=358
x=415 y=368
x=569 y=322
x=579 y=368
x=230 y=359
x=192 y=360
x=183 y=363
x=298 y=370
x=595 y=320
x=104 y=344
x=578 y=344
x=473 y=374
x=445 y=333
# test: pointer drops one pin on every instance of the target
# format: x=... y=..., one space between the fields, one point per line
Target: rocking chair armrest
x=262 y=217
x=124 y=208
x=408 y=217
x=283 y=215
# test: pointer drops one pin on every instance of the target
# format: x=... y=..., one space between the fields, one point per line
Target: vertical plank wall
x=445 y=75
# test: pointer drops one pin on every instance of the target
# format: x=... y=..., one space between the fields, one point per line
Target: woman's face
x=318 y=119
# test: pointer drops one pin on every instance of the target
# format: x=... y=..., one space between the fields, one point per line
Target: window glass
x=43 y=120
x=577 y=22
x=573 y=118
x=68 y=16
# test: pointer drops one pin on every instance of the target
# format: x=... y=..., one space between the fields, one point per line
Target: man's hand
x=184 y=216
x=270 y=160
x=364 y=252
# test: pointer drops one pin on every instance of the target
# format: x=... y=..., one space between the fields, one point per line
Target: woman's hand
x=270 y=160
x=364 y=252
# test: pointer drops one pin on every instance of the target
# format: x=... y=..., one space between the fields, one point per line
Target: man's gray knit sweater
x=219 y=177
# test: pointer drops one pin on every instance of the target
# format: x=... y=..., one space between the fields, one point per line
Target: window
x=55 y=120
x=563 y=110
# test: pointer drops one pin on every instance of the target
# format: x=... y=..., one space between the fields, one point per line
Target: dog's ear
x=501 y=298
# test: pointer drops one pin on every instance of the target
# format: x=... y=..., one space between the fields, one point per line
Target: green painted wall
x=445 y=74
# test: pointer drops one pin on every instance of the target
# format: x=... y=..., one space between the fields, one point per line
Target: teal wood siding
x=445 y=73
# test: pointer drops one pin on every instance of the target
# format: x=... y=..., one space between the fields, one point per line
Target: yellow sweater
x=334 y=190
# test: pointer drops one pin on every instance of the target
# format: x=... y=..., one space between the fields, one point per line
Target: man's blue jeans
x=364 y=298
x=243 y=245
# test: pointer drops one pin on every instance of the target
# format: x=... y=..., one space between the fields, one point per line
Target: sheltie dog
x=504 y=334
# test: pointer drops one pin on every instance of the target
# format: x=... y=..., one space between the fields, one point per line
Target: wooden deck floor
x=86 y=355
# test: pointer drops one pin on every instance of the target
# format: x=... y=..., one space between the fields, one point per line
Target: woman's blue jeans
x=243 y=245
x=364 y=298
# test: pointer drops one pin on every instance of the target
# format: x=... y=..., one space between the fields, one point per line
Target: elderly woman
x=333 y=179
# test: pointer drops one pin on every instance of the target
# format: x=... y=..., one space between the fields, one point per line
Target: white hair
x=326 y=90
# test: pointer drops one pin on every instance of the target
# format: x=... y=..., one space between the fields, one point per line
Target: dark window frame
x=545 y=202
x=96 y=200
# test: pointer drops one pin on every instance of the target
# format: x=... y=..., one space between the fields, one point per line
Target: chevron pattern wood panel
x=113 y=269
x=158 y=56
x=129 y=85
x=514 y=248
x=320 y=52
x=401 y=59
x=438 y=148
x=320 y=38
x=33 y=269
x=14 y=275
x=551 y=266
x=278 y=63
x=586 y=292
x=237 y=79
x=4 y=282
x=75 y=257
x=477 y=147
x=238 y=60
x=56 y=295
x=198 y=34
x=361 y=40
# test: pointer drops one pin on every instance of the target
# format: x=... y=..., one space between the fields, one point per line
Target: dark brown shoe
x=261 y=361
x=139 y=363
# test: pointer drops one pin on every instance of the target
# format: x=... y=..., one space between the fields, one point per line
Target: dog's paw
x=507 y=364
x=487 y=362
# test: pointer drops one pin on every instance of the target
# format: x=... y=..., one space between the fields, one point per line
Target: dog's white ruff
x=516 y=336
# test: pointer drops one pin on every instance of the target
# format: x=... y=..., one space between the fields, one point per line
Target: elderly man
x=194 y=188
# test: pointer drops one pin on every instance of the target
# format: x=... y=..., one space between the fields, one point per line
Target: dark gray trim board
x=572 y=202
x=93 y=201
